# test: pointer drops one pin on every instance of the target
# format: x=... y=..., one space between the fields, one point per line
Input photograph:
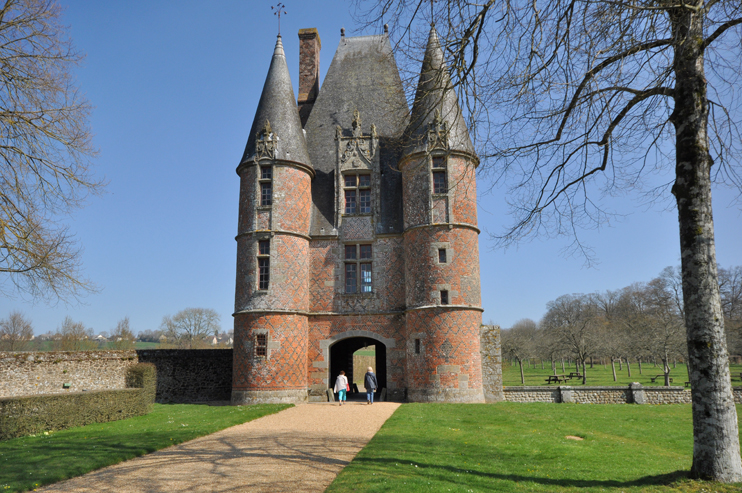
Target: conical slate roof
x=278 y=106
x=435 y=94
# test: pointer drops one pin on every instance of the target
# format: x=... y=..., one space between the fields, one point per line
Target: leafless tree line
x=639 y=323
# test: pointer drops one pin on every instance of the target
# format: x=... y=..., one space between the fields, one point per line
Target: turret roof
x=278 y=106
x=435 y=95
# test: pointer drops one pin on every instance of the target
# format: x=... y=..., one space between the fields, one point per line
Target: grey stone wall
x=532 y=394
x=191 y=375
x=634 y=393
x=30 y=373
x=489 y=344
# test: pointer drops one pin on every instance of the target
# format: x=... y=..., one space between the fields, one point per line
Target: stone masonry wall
x=489 y=345
x=605 y=395
x=28 y=373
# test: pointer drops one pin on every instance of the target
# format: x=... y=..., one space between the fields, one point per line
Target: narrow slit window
x=444 y=297
x=442 y=256
x=261 y=345
x=264 y=264
x=439 y=182
x=266 y=194
x=417 y=346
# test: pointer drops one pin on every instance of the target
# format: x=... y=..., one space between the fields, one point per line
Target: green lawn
x=600 y=375
x=28 y=462
x=510 y=447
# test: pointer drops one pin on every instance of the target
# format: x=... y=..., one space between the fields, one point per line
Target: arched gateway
x=357 y=226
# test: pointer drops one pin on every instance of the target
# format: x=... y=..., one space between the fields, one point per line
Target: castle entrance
x=353 y=356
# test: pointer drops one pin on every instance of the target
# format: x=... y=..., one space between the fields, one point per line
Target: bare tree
x=190 y=326
x=122 y=337
x=730 y=284
x=518 y=342
x=74 y=336
x=572 y=99
x=45 y=146
x=16 y=332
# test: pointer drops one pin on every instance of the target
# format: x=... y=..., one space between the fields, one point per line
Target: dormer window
x=357 y=189
x=440 y=180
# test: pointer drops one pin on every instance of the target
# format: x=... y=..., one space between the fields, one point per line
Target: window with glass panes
x=264 y=264
x=357 y=188
x=266 y=185
x=358 y=269
x=440 y=181
x=261 y=344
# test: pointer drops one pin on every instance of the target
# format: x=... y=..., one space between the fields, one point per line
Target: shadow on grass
x=446 y=472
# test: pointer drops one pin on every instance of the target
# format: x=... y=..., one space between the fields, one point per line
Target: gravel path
x=300 y=449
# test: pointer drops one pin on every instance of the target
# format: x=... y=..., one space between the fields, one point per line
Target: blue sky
x=175 y=86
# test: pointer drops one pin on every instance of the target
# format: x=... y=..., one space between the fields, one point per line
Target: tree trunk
x=542 y=364
x=563 y=370
x=639 y=361
x=591 y=362
x=628 y=366
x=584 y=373
x=522 y=378
x=577 y=365
x=620 y=364
x=666 y=371
x=613 y=366
x=716 y=453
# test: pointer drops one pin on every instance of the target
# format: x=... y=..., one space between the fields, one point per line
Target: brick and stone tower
x=272 y=296
x=443 y=303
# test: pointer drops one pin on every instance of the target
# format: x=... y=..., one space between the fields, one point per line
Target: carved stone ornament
x=437 y=133
x=265 y=143
x=356 y=123
x=358 y=145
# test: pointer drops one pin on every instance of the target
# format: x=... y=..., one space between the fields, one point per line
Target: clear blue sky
x=175 y=87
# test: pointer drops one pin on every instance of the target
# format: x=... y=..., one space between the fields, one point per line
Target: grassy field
x=509 y=447
x=600 y=375
x=29 y=462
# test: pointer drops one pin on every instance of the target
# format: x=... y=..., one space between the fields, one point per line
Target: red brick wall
x=285 y=367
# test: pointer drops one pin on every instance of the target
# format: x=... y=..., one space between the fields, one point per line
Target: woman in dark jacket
x=371 y=384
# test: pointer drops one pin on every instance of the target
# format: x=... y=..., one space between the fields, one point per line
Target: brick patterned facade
x=288 y=336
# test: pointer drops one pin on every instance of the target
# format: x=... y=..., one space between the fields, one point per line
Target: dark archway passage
x=341 y=358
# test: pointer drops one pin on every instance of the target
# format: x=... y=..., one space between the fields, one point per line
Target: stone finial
x=356 y=123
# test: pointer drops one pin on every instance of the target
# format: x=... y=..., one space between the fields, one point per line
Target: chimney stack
x=309 y=47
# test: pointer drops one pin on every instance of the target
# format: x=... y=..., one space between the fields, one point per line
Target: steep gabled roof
x=278 y=106
x=363 y=76
x=435 y=93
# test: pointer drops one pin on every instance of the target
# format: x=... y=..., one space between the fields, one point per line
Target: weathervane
x=279 y=9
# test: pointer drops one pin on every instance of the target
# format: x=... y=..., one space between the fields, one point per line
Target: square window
x=441 y=255
x=364 y=180
x=350 y=252
x=351 y=279
x=261 y=345
x=439 y=182
x=350 y=201
x=264 y=247
x=444 y=297
x=264 y=273
x=439 y=162
x=266 y=173
x=365 y=251
x=350 y=180
x=365 y=201
x=266 y=194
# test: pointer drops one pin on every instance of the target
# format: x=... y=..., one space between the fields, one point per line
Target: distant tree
x=16 y=332
x=74 y=336
x=150 y=335
x=45 y=150
x=122 y=337
x=575 y=322
x=730 y=285
x=518 y=342
x=189 y=327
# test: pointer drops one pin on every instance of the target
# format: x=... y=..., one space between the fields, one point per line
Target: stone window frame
x=265 y=183
x=445 y=299
x=358 y=261
x=442 y=256
x=263 y=260
x=270 y=344
x=439 y=168
x=357 y=188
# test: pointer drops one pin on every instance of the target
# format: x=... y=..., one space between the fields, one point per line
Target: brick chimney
x=309 y=47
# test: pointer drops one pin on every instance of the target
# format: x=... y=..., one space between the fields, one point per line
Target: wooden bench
x=654 y=378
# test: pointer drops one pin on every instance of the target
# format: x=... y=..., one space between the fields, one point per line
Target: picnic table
x=654 y=378
x=575 y=375
x=556 y=378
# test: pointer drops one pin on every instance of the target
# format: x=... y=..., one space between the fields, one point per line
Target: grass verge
x=511 y=447
x=603 y=375
x=33 y=461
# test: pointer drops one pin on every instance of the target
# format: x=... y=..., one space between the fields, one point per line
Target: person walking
x=341 y=386
x=371 y=384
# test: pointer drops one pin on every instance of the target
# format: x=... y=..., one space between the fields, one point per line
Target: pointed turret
x=436 y=119
x=278 y=108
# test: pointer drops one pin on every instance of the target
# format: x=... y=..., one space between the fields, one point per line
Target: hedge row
x=26 y=415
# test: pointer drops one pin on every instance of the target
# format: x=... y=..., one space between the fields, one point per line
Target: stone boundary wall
x=53 y=372
x=183 y=375
x=191 y=375
x=633 y=393
x=490 y=349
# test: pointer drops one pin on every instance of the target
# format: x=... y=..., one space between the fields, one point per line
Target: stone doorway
x=341 y=358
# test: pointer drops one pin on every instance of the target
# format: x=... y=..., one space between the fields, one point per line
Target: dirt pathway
x=300 y=449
